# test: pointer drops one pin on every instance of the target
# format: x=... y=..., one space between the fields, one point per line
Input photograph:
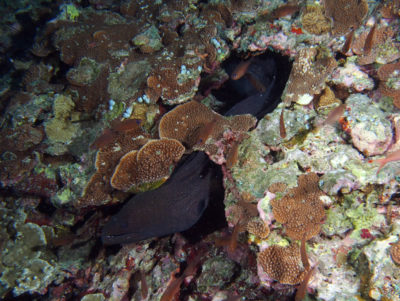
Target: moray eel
x=174 y=207
x=256 y=105
x=180 y=202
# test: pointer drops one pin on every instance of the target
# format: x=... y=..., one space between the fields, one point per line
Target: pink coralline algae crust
x=350 y=76
x=279 y=42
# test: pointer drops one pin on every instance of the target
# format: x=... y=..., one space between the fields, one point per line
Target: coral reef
x=151 y=165
x=389 y=86
x=27 y=264
x=282 y=263
x=314 y=21
x=105 y=102
x=199 y=128
x=310 y=70
x=345 y=14
x=301 y=210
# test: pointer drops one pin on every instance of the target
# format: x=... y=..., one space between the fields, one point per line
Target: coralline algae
x=327 y=150
x=369 y=127
x=27 y=264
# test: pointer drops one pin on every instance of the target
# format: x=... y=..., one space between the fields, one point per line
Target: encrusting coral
x=258 y=228
x=395 y=252
x=345 y=14
x=377 y=46
x=60 y=128
x=27 y=264
x=128 y=160
x=282 y=264
x=173 y=83
x=327 y=99
x=198 y=127
x=147 y=168
x=389 y=75
x=116 y=144
x=22 y=138
x=144 y=164
x=310 y=70
x=301 y=210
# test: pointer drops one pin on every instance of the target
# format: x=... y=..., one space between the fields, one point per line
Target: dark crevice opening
x=264 y=67
x=22 y=41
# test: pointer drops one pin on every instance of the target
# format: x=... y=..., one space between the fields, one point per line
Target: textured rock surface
x=85 y=83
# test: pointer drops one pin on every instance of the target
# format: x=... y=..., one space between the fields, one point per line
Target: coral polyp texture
x=301 y=211
x=389 y=75
x=395 y=252
x=346 y=14
x=150 y=166
x=310 y=70
x=258 y=228
x=106 y=102
x=282 y=264
x=314 y=21
x=198 y=127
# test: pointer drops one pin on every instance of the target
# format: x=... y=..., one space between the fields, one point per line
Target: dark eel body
x=180 y=202
x=173 y=207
